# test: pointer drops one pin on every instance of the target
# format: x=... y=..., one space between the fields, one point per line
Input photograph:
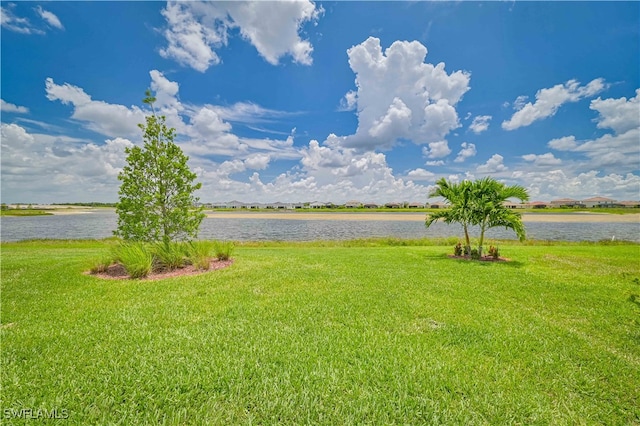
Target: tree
x=460 y=197
x=489 y=210
x=479 y=203
x=156 y=195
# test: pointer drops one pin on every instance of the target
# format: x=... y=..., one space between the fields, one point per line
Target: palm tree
x=489 y=210
x=460 y=197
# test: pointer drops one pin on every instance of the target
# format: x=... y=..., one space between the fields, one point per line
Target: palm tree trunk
x=467 y=247
x=482 y=228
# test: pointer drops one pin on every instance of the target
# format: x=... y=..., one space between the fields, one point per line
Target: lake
x=251 y=227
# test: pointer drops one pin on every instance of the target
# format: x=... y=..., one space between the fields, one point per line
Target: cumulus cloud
x=550 y=184
x=543 y=160
x=400 y=96
x=11 y=108
x=480 y=123
x=468 y=150
x=53 y=168
x=50 y=18
x=436 y=150
x=617 y=151
x=102 y=117
x=493 y=165
x=197 y=29
x=421 y=174
x=620 y=115
x=548 y=101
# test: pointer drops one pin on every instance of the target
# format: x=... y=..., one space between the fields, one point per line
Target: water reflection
x=100 y=224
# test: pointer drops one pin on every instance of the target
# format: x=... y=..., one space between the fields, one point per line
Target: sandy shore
x=419 y=217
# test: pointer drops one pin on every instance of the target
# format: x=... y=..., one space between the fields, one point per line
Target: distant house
x=536 y=205
x=218 y=205
x=236 y=205
x=370 y=206
x=316 y=205
x=353 y=204
x=416 y=205
x=630 y=204
x=393 y=205
x=566 y=202
x=438 y=206
x=512 y=205
x=600 y=202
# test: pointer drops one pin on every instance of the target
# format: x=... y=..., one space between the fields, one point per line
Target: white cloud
x=493 y=165
x=550 y=184
x=549 y=100
x=257 y=161
x=273 y=27
x=468 y=150
x=249 y=112
x=480 y=124
x=421 y=174
x=520 y=102
x=197 y=29
x=566 y=143
x=436 y=150
x=349 y=101
x=400 y=96
x=618 y=151
x=543 y=160
x=434 y=163
x=50 y=18
x=191 y=42
x=107 y=119
x=394 y=123
x=15 y=23
x=620 y=115
x=11 y=108
x=49 y=168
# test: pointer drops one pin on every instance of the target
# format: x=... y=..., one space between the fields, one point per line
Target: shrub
x=199 y=253
x=457 y=249
x=475 y=254
x=136 y=258
x=494 y=252
x=171 y=255
x=224 y=249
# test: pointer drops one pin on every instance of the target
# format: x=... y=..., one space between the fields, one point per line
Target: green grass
x=328 y=334
x=137 y=258
x=24 y=212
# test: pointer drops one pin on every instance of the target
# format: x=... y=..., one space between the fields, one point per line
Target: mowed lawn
x=306 y=334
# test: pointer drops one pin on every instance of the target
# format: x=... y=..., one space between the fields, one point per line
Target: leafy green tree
x=489 y=210
x=156 y=201
x=460 y=197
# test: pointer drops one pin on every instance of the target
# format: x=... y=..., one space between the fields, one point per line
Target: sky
x=324 y=101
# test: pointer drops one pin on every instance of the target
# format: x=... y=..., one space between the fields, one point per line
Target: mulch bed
x=117 y=271
x=482 y=259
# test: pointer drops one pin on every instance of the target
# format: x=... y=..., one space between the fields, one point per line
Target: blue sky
x=324 y=101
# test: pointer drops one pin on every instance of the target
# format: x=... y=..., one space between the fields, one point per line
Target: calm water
x=100 y=224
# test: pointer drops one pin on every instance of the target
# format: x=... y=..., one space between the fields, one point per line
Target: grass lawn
x=311 y=334
x=24 y=212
